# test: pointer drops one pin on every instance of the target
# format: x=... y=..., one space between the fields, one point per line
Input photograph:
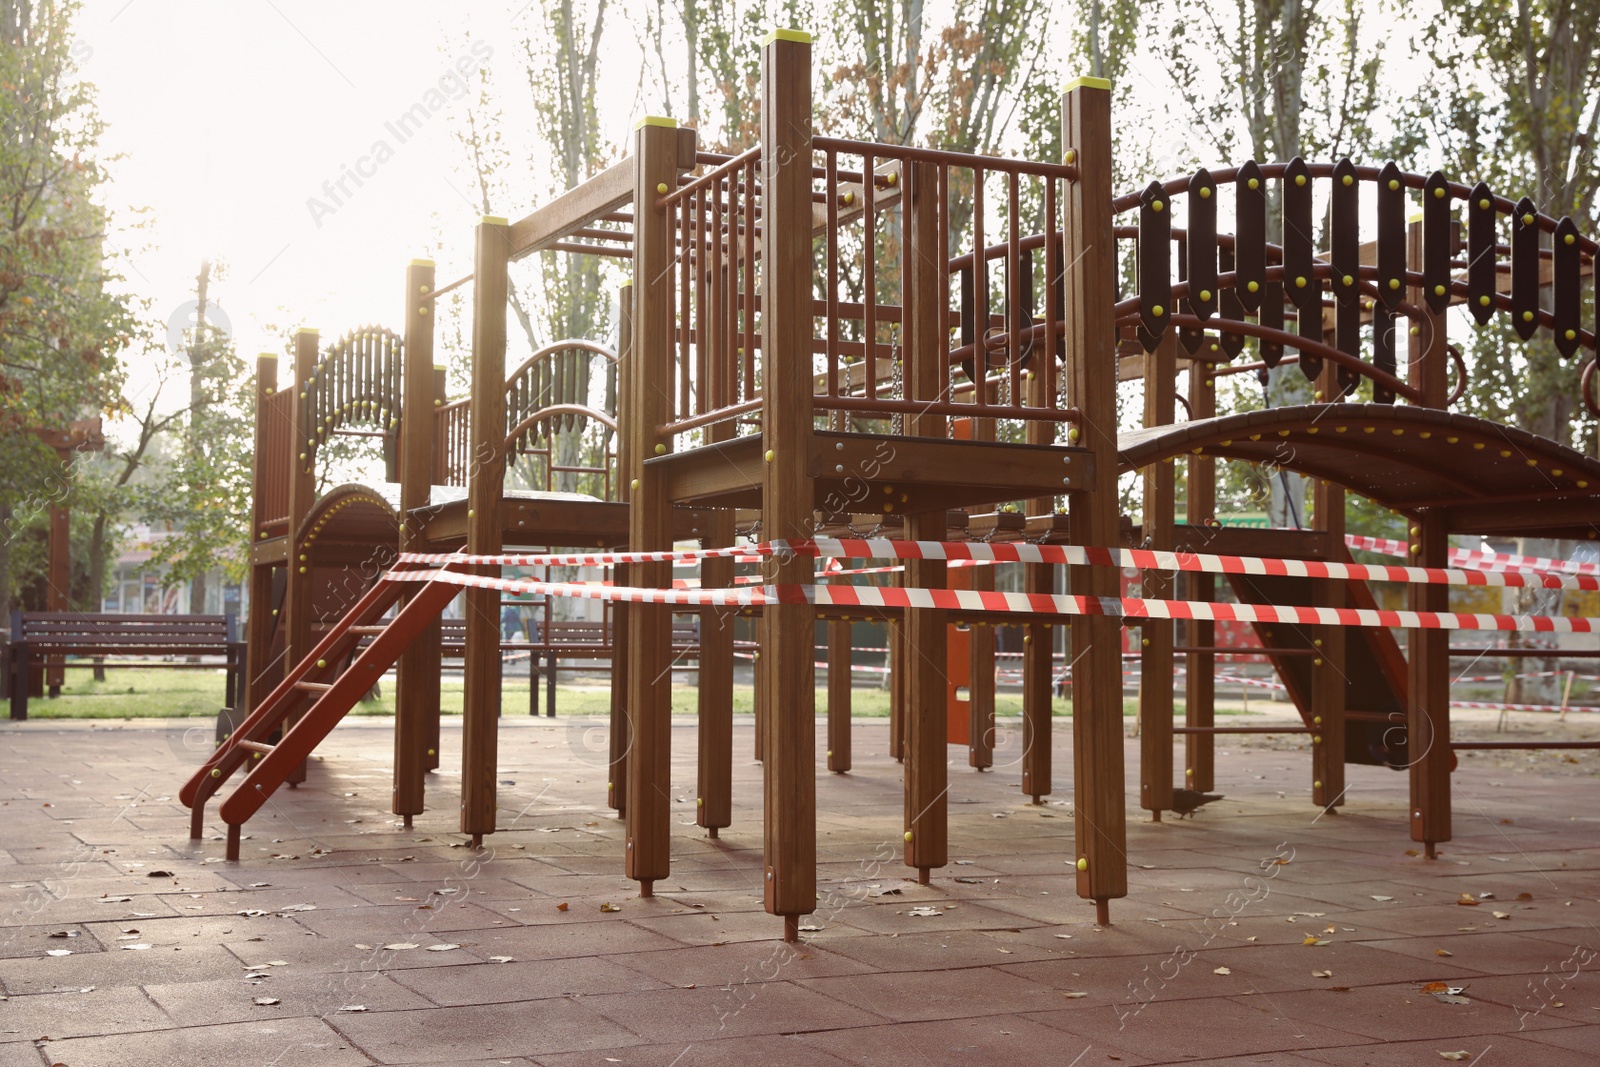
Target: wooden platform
x=1479 y=476
x=867 y=473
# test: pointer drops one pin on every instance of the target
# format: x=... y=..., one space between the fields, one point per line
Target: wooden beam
x=1091 y=369
x=619 y=735
x=1200 y=687
x=417 y=673
x=648 y=844
x=605 y=192
x=1156 y=635
x=790 y=876
x=927 y=726
x=485 y=491
x=297 y=597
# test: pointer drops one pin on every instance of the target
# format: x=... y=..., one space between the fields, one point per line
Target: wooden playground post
x=1038 y=647
x=486 y=469
x=981 y=645
x=649 y=700
x=441 y=396
x=1329 y=680
x=1200 y=685
x=617 y=736
x=417 y=673
x=261 y=677
x=302 y=495
x=927 y=722
x=1428 y=662
x=840 y=655
x=789 y=764
x=1155 y=636
x=1091 y=369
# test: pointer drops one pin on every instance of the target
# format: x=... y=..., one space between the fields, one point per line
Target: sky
x=267 y=135
x=236 y=123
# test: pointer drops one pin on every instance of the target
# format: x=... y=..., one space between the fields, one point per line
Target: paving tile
x=233 y=999
x=519 y=980
x=112 y=1010
x=296 y=1040
x=534 y=1029
x=727 y=1052
x=922 y=995
x=996 y=1039
x=743 y=1009
x=741 y=961
x=1182 y=1030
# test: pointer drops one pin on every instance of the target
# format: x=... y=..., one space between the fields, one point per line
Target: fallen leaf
x=277 y=963
x=563 y=905
x=1442 y=1055
x=1451 y=998
x=299 y=907
x=924 y=911
x=1218 y=970
x=608 y=906
x=447 y=947
x=1313 y=940
x=1437 y=951
x=70 y=933
x=1467 y=901
x=505 y=959
x=1524 y=896
x=401 y=945
x=1069 y=996
x=1375 y=897
x=1322 y=974
x=363 y=1007
x=168 y=874
x=135 y=948
x=1436 y=987
x=68 y=951
x=267 y=1002
x=1498 y=914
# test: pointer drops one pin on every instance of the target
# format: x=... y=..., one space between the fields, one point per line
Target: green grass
x=130 y=693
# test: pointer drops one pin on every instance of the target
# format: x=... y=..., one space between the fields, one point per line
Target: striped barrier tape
x=972 y=552
x=1049 y=604
x=1468 y=558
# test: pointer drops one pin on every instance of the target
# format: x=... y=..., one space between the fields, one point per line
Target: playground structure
x=821 y=339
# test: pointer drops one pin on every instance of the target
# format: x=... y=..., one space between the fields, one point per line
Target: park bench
x=46 y=638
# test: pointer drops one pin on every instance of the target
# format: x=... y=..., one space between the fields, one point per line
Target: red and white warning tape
x=1050 y=604
x=967 y=553
x=1491 y=561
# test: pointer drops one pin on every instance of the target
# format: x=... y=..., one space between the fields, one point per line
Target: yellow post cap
x=797 y=36
x=422 y=263
x=268 y=355
x=656 y=120
x=1087 y=82
x=491 y=220
x=305 y=329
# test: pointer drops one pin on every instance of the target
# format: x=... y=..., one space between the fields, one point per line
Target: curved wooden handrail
x=554 y=410
x=560 y=346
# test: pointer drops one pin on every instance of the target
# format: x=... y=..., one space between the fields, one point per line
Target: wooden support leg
x=1429 y=714
x=758 y=702
x=416 y=702
x=839 y=693
x=897 y=690
x=618 y=736
x=197 y=820
x=980 y=747
x=1038 y=694
x=1200 y=692
x=233 y=843
x=926 y=786
x=714 y=802
x=1090 y=369
x=1155 y=709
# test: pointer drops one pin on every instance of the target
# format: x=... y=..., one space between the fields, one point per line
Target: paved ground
x=342 y=939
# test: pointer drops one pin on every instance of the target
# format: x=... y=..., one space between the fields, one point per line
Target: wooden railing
x=996 y=301
x=1238 y=284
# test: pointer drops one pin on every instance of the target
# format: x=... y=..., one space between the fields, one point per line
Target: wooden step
x=367 y=631
x=253 y=746
x=313 y=687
